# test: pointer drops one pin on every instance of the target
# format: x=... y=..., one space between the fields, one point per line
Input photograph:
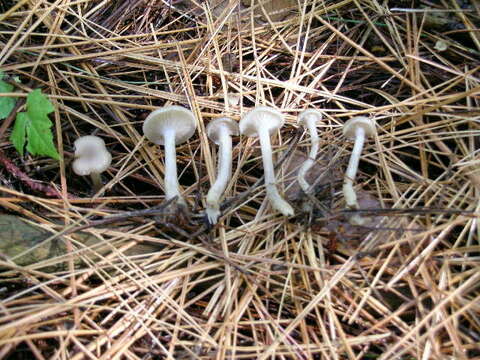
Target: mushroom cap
x=176 y=117
x=261 y=116
x=307 y=113
x=214 y=127
x=360 y=121
x=91 y=155
x=233 y=99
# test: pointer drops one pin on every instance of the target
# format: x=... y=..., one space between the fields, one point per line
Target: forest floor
x=123 y=274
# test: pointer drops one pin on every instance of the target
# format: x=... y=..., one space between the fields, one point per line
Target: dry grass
x=258 y=285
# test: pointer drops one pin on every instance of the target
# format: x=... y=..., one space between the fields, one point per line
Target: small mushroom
x=262 y=122
x=170 y=126
x=220 y=131
x=308 y=119
x=91 y=158
x=355 y=129
x=233 y=99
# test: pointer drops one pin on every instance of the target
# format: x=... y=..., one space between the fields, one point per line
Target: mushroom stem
x=348 y=191
x=172 y=188
x=223 y=174
x=309 y=121
x=97 y=183
x=276 y=200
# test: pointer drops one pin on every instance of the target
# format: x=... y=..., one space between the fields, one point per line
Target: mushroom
x=355 y=129
x=91 y=158
x=233 y=99
x=308 y=119
x=170 y=126
x=262 y=121
x=220 y=131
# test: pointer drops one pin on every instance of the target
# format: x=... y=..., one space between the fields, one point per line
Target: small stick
x=411 y=211
x=158 y=210
x=48 y=190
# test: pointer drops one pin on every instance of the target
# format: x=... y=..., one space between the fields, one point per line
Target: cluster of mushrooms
x=173 y=125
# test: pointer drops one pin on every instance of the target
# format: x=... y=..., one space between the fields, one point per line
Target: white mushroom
x=308 y=119
x=170 y=126
x=233 y=99
x=91 y=158
x=262 y=122
x=220 y=131
x=355 y=129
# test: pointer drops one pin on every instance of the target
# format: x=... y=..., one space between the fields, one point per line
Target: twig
x=156 y=211
x=48 y=190
x=411 y=211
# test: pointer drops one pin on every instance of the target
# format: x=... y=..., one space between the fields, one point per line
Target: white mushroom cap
x=307 y=113
x=233 y=99
x=360 y=121
x=91 y=156
x=261 y=116
x=176 y=117
x=214 y=128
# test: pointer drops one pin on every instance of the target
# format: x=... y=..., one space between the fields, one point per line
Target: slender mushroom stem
x=97 y=183
x=224 y=173
x=310 y=121
x=348 y=191
x=276 y=200
x=172 y=188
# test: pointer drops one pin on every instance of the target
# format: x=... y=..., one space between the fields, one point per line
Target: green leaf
x=6 y=103
x=40 y=141
x=34 y=126
x=19 y=133
x=38 y=106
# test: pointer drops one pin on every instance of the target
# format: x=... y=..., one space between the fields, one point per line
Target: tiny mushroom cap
x=176 y=117
x=350 y=127
x=214 y=128
x=233 y=99
x=304 y=115
x=91 y=156
x=262 y=115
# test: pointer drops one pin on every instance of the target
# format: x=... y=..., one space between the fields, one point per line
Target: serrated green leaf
x=38 y=107
x=19 y=133
x=34 y=126
x=6 y=103
x=40 y=140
